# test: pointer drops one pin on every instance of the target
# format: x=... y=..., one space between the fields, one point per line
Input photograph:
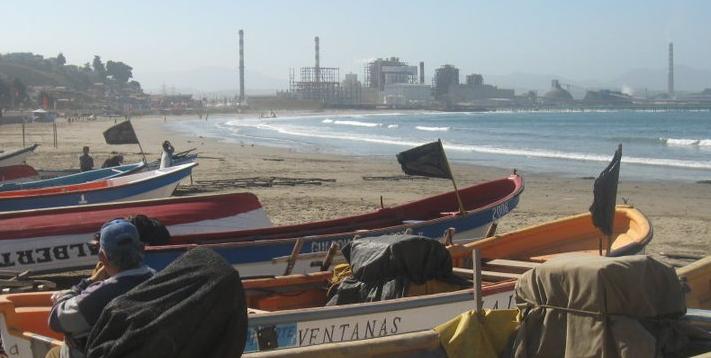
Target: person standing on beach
x=75 y=311
x=86 y=162
x=166 y=159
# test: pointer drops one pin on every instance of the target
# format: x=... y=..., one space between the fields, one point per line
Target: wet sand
x=680 y=212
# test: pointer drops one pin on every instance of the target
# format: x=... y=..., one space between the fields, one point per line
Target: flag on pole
x=605 y=195
x=121 y=133
x=426 y=160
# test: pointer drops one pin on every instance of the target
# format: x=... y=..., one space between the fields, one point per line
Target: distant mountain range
x=211 y=80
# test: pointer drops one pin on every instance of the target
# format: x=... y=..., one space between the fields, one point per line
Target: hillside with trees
x=28 y=80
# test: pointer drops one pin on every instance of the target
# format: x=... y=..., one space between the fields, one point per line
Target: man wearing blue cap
x=75 y=311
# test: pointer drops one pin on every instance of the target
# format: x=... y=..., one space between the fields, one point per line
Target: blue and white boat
x=264 y=251
x=152 y=184
x=77 y=178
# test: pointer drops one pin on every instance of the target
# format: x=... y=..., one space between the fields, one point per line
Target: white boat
x=17 y=156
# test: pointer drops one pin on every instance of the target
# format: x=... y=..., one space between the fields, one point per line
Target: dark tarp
x=600 y=307
x=427 y=160
x=605 y=195
x=195 y=307
x=382 y=267
x=121 y=133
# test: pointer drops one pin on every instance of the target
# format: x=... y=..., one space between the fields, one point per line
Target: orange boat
x=291 y=307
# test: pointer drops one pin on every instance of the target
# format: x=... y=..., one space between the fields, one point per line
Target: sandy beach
x=680 y=212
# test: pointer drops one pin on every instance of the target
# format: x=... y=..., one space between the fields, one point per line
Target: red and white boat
x=53 y=239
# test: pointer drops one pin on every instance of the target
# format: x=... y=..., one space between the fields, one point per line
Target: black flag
x=121 y=133
x=605 y=195
x=427 y=160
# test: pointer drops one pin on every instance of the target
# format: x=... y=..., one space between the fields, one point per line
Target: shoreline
x=679 y=211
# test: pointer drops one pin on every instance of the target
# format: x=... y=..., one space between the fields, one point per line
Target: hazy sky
x=597 y=39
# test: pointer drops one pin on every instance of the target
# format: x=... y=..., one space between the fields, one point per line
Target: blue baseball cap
x=118 y=233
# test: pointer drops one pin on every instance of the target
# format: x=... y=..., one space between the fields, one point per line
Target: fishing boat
x=254 y=251
x=55 y=239
x=17 y=173
x=697 y=277
x=152 y=184
x=77 y=178
x=288 y=311
x=17 y=156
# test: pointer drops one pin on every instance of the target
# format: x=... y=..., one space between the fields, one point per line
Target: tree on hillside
x=86 y=67
x=99 y=66
x=119 y=71
x=4 y=94
x=61 y=60
x=18 y=92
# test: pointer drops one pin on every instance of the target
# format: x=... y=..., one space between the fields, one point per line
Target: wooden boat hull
x=253 y=251
x=697 y=276
x=17 y=157
x=276 y=321
x=77 y=178
x=17 y=173
x=57 y=239
x=147 y=185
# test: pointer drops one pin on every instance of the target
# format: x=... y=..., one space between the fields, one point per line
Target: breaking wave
x=686 y=142
x=358 y=124
x=432 y=129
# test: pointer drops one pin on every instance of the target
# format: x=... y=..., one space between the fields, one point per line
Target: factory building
x=606 y=97
x=475 y=90
x=388 y=71
x=557 y=95
x=407 y=94
x=445 y=77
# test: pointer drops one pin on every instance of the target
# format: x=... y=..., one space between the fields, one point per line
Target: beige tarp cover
x=600 y=307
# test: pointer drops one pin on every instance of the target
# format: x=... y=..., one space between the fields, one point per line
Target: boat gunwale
x=353 y=309
x=173 y=170
x=252 y=236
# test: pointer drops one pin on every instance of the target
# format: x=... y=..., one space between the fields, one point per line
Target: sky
x=575 y=39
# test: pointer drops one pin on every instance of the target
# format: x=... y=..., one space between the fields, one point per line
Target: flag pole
x=614 y=205
x=138 y=141
x=454 y=183
x=142 y=153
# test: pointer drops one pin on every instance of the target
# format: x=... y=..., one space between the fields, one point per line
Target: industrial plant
x=391 y=82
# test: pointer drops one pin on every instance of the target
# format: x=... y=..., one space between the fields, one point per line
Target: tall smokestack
x=670 y=80
x=241 y=66
x=317 y=68
x=422 y=72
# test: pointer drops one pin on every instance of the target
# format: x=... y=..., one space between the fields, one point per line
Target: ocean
x=657 y=145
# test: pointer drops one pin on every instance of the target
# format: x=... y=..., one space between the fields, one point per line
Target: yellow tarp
x=467 y=336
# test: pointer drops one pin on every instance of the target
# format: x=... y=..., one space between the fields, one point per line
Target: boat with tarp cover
x=288 y=311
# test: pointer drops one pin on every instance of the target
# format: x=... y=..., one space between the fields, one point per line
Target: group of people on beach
x=86 y=162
